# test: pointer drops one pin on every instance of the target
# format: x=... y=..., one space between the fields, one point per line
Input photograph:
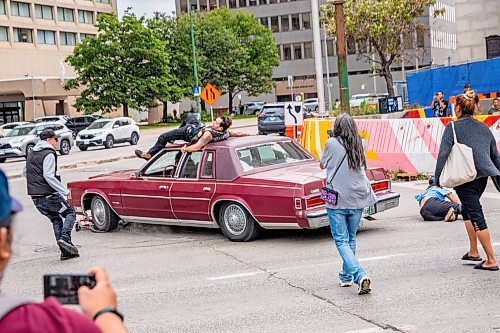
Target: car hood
x=92 y=131
x=13 y=139
x=116 y=175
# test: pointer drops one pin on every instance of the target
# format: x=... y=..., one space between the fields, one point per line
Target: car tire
x=110 y=142
x=237 y=224
x=83 y=148
x=74 y=133
x=29 y=149
x=2 y=160
x=103 y=218
x=65 y=147
x=134 y=139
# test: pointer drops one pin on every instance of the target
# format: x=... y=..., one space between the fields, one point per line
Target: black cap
x=432 y=181
x=466 y=85
x=47 y=134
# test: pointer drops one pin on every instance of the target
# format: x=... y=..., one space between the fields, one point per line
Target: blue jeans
x=55 y=207
x=344 y=224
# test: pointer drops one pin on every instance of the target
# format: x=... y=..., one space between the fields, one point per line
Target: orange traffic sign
x=210 y=94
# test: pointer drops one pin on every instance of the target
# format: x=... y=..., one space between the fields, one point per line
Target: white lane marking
x=234 y=276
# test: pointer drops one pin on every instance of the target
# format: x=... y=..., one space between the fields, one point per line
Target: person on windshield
x=435 y=207
x=193 y=132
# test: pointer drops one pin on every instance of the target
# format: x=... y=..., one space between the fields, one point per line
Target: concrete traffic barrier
x=411 y=145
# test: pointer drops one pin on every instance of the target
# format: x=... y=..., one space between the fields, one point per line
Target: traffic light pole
x=195 y=66
x=342 y=56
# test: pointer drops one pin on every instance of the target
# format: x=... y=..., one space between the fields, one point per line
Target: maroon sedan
x=239 y=185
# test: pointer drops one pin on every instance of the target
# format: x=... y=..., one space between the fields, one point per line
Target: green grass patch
x=158 y=125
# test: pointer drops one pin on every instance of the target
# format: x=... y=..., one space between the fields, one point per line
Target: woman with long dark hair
x=479 y=138
x=345 y=163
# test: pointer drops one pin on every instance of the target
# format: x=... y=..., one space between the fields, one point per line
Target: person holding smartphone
x=440 y=105
x=21 y=315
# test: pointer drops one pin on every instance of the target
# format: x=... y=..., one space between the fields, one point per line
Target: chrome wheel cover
x=65 y=147
x=135 y=138
x=99 y=212
x=235 y=219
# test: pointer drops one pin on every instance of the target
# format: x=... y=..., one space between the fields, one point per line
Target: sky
x=146 y=7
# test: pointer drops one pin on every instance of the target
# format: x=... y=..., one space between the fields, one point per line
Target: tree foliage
x=381 y=24
x=126 y=64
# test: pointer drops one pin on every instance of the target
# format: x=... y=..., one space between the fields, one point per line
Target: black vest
x=37 y=185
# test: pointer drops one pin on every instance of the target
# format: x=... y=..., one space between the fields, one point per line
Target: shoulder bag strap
x=335 y=173
x=454 y=132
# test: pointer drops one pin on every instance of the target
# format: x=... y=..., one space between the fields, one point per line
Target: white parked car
x=59 y=119
x=107 y=132
x=311 y=104
x=6 y=128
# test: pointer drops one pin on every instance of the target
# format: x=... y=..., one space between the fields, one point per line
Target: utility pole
x=195 y=66
x=32 y=93
x=329 y=89
x=318 y=61
x=342 y=56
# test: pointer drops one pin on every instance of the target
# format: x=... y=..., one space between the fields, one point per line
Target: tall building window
x=84 y=16
x=264 y=21
x=330 y=50
x=184 y=6
x=2 y=7
x=213 y=4
x=232 y=3
x=274 y=24
x=20 y=9
x=222 y=3
x=242 y=3
x=279 y=52
x=273 y=1
x=295 y=22
x=306 y=20
x=4 y=34
x=67 y=38
x=351 y=46
x=65 y=14
x=285 y=23
x=308 y=51
x=44 y=12
x=46 y=37
x=287 y=52
x=23 y=35
x=420 y=38
x=297 y=51
x=253 y=3
x=103 y=1
x=85 y=36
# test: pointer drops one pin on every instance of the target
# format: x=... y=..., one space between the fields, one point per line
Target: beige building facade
x=35 y=38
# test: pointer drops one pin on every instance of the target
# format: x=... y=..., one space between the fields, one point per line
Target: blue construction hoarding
x=483 y=76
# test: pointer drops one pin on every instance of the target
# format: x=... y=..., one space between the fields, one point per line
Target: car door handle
x=207 y=189
x=163 y=187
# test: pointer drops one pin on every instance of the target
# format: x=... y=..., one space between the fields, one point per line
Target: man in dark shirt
x=495 y=108
x=440 y=105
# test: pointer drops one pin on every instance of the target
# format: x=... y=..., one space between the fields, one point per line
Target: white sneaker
x=346 y=284
x=450 y=216
x=364 y=286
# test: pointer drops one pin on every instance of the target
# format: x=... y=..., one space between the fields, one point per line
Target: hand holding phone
x=99 y=297
x=330 y=133
x=65 y=287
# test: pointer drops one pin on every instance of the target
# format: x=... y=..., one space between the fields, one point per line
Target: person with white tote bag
x=468 y=155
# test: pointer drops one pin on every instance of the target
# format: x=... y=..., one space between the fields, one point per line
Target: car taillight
x=298 y=203
x=314 y=202
x=381 y=186
x=260 y=114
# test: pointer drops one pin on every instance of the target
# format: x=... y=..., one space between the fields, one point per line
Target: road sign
x=293 y=114
x=298 y=98
x=196 y=91
x=210 y=94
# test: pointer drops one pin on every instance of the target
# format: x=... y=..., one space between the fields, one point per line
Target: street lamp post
x=193 y=47
x=32 y=93
x=342 y=56
x=318 y=59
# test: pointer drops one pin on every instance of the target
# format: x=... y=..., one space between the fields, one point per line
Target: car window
x=78 y=120
x=208 y=166
x=273 y=109
x=100 y=124
x=10 y=126
x=190 y=166
x=19 y=131
x=89 y=119
x=54 y=127
x=270 y=154
x=159 y=167
x=125 y=122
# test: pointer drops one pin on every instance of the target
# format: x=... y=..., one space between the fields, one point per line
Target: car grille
x=87 y=136
x=5 y=146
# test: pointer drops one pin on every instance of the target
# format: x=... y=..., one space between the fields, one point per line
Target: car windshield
x=99 y=124
x=273 y=109
x=270 y=154
x=19 y=131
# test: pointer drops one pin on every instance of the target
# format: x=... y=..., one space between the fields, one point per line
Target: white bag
x=459 y=167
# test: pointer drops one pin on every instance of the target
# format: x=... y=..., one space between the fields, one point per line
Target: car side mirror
x=116 y=126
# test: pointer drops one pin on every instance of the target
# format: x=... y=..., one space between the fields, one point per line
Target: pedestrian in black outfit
x=479 y=138
x=49 y=194
x=440 y=105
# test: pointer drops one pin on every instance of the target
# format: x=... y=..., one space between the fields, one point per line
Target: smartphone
x=64 y=287
x=330 y=133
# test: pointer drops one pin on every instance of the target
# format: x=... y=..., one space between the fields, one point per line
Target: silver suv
x=22 y=139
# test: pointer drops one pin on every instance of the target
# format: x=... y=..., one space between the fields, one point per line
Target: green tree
x=126 y=65
x=234 y=52
x=381 y=24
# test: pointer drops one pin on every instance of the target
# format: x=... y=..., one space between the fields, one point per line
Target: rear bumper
x=271 y=128
x=387 y=200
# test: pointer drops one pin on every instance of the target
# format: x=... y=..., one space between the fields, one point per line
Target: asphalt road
x=177 y=279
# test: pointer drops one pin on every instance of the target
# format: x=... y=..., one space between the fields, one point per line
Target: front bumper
x=89 y=142
x=11 y=152
x=387 y=200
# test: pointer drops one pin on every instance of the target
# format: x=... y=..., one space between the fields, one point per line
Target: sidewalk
x=78 y=159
